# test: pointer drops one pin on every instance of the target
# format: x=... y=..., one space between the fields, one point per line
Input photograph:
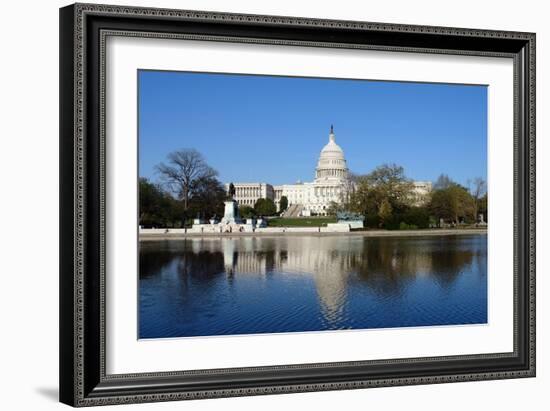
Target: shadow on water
x=212 y=286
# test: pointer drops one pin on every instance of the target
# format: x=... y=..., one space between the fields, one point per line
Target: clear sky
x=271 y=129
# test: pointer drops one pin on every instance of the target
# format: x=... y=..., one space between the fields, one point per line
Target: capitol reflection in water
x=250 y=285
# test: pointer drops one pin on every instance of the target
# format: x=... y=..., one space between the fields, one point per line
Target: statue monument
x=355 y=220
x=231 y=211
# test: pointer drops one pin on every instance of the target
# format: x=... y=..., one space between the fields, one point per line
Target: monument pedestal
x=231 y=213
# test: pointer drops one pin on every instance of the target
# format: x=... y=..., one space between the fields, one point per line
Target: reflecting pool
x=249 y=285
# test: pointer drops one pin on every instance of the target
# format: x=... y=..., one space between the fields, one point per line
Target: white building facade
x=331 y=184
x=421 y=191
x=248 y=193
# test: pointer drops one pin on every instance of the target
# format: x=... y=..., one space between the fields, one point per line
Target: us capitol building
x=331 y=184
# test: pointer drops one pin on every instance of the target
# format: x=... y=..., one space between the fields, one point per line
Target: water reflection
x=210 y=286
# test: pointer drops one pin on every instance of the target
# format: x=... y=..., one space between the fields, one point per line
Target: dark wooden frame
x=83 y=29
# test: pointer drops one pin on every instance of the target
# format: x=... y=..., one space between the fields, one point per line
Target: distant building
x=249 y=193
x=421 y=192
x=331 y=184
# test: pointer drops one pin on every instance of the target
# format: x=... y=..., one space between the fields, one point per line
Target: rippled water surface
x=250 y=285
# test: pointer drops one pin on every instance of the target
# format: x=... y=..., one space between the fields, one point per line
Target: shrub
x=372 y=221
x=247 y=212
x=405 y=226
x=265 y=207
x=417 y=216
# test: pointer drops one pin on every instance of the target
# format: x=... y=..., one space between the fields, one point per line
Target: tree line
x=189 y=188
x=387 y=199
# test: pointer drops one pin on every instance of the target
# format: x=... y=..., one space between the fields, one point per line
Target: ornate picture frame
x=84 y=29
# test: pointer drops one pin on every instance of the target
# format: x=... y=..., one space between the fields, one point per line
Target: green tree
x=452 y=204
x=265 y=207
x=208 y=195
x=390 y=181
x=149 y=201
x=364 y=199
x=283 y=204
x=247 y=211
x=482 y=209
x=157 y=207
x=384 y=212
x=385 y=184
x=478 y=189
x=173 y=214
x=418 y=216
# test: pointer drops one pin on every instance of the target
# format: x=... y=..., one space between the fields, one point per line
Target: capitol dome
x=332 y=163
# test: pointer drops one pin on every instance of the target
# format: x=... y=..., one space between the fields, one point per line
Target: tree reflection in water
x=210 y=286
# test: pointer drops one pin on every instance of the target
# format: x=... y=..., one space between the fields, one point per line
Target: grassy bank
x=300 y=222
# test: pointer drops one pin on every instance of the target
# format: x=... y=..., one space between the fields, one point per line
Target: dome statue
x=332 y=164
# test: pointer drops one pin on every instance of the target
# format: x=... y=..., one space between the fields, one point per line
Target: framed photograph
x=262 y=204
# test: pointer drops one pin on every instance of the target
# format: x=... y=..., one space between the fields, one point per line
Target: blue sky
x=271 y=129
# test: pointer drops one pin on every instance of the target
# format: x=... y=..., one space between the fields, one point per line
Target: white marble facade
x=249 y=193
x=331 y=184
x=421 y=191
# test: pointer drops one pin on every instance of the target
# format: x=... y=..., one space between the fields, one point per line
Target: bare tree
x=184 y=168
x=346 y=191
x=478 y=190
x=443 y=182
